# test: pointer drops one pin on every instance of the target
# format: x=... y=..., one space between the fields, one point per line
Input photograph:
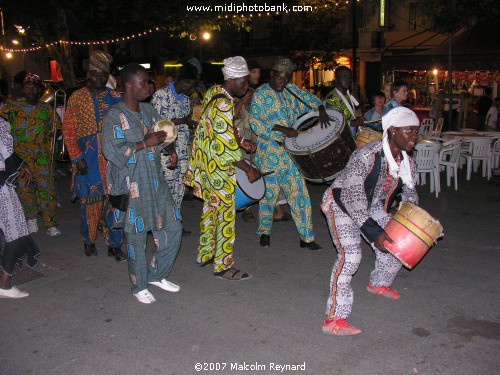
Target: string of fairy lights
x=250 y=15
x=88 y=43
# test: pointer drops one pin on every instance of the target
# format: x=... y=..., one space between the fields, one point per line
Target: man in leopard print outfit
x=356 y=205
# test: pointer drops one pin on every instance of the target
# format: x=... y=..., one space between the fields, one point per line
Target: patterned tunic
x=334 y=100
x=82 y=131
x=170 y=105
x=138 y=174
x=270 y=108
x=31 y=129
x=211 y=172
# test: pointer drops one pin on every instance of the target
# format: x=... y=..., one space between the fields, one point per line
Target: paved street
x=81 y=318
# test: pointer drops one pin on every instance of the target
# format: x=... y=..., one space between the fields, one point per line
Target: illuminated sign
x=382 y=13
x=343 y=60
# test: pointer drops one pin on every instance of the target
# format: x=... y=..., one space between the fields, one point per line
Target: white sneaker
x=13 y=293
x=166 y=285
x=53 y=231
x=145 y=297
x=32 y=226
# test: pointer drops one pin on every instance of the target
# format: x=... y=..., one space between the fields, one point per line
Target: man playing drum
x=275 y=107
x=214 y=154
x=342 y=100
x=356 y=205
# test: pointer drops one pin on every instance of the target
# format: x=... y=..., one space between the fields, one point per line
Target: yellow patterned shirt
x=214 y=150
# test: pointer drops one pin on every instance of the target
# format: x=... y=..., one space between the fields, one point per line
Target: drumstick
x=266 y=173
x=371 y=121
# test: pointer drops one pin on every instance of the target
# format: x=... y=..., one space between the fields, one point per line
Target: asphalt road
x=81 y=318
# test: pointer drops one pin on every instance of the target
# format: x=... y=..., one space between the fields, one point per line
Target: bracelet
x=241 y=142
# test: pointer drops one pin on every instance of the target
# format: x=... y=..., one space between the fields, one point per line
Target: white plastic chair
x=427 y=161
x=426 y=127
x=449 y=158
x=439 y=127
x=495 y=155
x=479 y=151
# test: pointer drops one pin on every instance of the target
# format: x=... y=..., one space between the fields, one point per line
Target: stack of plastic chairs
x=449 y=158
x=427 y=161
x=479 y=151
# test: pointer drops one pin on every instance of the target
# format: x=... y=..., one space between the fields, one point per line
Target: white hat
x=399 y=117
x=235 y=67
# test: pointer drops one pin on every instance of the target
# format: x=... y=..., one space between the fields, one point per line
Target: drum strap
x=370 y=183
x=298 y=98
x=371 y=180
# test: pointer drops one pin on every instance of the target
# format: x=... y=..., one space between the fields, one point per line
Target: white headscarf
x=398 y=117
x=235 y=67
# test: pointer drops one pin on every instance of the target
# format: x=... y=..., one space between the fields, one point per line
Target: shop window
x=414 y=16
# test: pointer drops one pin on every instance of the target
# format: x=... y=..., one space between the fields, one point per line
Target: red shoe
x=383 y=291
x=335 y=325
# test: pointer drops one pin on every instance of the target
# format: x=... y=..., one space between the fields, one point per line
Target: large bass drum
x=321 y=154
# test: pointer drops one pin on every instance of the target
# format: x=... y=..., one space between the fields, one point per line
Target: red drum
x=321 y=154
x=414 y=232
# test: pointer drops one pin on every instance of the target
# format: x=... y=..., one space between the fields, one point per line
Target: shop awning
x=476 y=48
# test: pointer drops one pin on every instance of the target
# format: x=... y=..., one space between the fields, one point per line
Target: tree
x=44 y=24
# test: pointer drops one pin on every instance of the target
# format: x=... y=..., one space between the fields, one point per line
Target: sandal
x=249 y=217
x=285 y=217
x=206 y=263
x=233 y=274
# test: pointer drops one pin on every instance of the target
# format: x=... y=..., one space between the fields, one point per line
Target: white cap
x=235 y=67
x=399 y=117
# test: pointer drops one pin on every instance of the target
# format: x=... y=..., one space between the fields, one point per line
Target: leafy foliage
x=449 y=16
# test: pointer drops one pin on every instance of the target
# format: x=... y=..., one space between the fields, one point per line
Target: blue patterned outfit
x=151 y=207
x=270 y=108
x=170 y=105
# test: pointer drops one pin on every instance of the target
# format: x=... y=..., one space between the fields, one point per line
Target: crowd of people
x=129 y=181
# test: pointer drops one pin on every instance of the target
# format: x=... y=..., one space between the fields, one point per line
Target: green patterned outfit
x=31 y=129
x=343 y=104
x=212 y=175
x=270 y=108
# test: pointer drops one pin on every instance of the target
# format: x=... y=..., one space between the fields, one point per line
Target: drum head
x=312 y=135
x=168 y=127
x=254 y=191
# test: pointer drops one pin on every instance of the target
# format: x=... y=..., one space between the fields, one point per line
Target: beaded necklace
x=391 y=179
